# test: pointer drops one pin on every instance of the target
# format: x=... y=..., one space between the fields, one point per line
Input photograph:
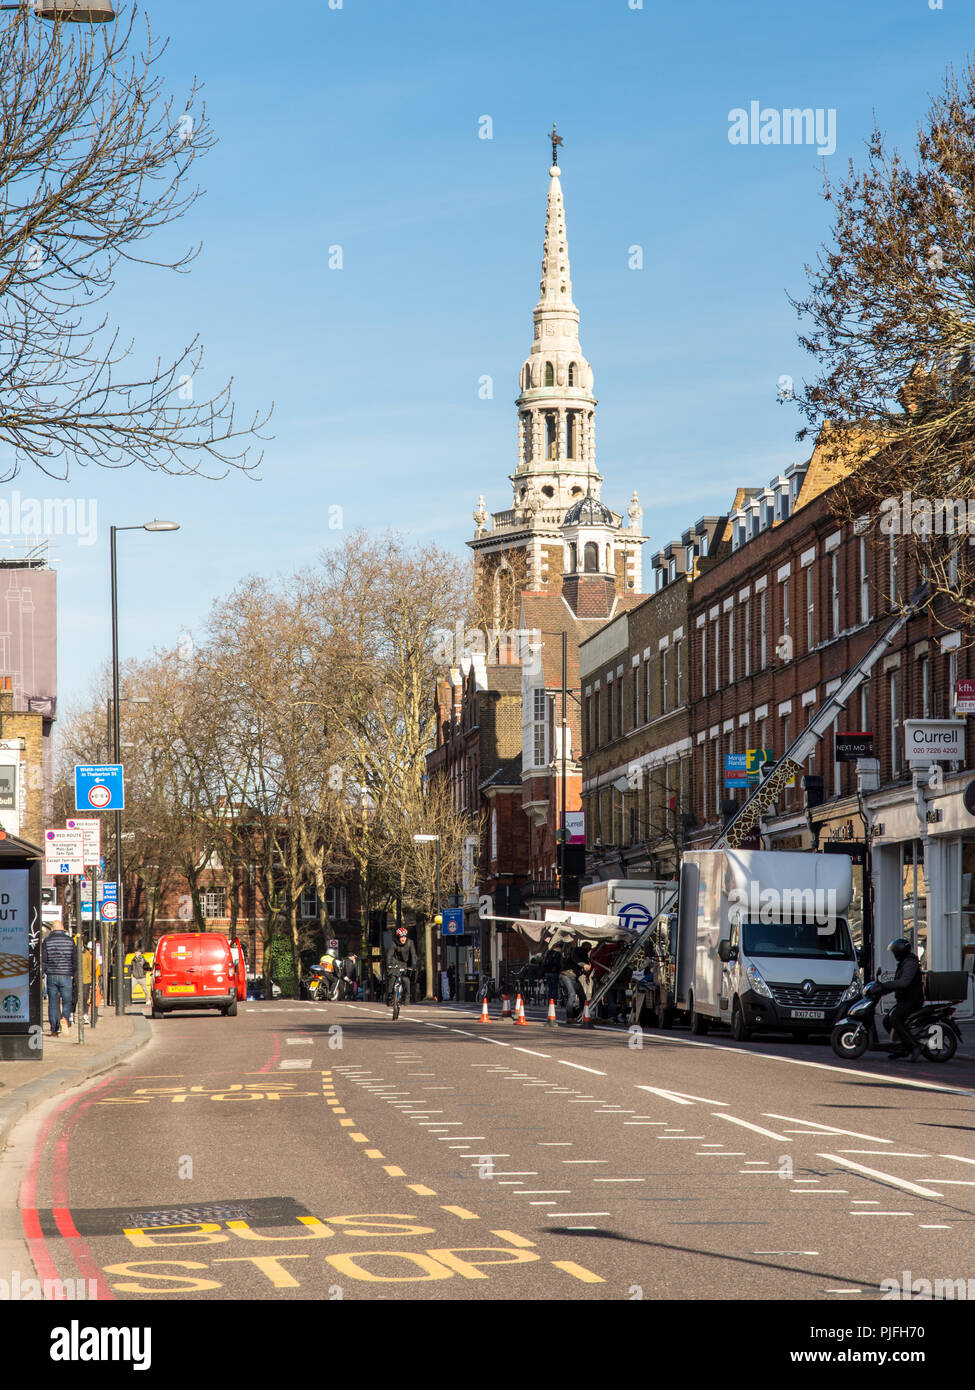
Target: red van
x=194 y=970
x=240 y=962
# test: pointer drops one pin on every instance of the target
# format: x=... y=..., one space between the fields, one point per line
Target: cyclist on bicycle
x=400 y=957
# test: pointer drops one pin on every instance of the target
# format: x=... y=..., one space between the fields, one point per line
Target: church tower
x=539 y=539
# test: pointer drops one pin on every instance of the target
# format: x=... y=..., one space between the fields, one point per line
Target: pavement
x=65 y=1062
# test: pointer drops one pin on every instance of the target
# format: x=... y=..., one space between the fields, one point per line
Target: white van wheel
x=739 y=1028
x=699 y=1024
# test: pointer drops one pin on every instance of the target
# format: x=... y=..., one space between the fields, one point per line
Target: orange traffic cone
x=485 y=1016
x=518 y=1008
x=520 y=1018
x=506 y=1006
x=586 y=1020
x=552 y=1021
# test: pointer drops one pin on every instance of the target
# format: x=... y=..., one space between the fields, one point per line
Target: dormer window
x=671 y=570
x=659 y=578
x=689 y=558
x=702 y=543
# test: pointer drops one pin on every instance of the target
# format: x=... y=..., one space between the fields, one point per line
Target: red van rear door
x=175 y=961
x=213 y=968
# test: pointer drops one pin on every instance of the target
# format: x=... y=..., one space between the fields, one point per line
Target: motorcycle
x=324 y=985
x=932 y=1026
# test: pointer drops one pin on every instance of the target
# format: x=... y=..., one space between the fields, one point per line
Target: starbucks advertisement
x=14 y=946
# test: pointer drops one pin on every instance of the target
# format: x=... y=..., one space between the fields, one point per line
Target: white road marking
x=887 y=1178
x=931 y=1228
x=789 y=1252
x=300 y=1042
x=463 y=1032
x=555 y=1143
x=532 y=1053
x=818 y=1126
x=715 y=1154
x=680 y=1136
x=822 y=1192
x=883 y=1153
x=579 y=1213
x=746 y=1124
x=442 y=1137
x=881 y=1213
x=619 y=1179
x=545 y=1192
x=295 y=1064
x=681 y=1097
x=578 y=1067
x=585 y=1160
x=958 y=1158
x=951 y=1182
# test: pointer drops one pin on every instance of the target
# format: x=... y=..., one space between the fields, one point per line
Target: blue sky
x=358 y=127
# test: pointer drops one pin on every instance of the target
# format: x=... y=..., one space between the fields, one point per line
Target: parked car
x=255 y=988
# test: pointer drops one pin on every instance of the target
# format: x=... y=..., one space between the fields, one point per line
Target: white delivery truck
x=636 y=901
x=763 y=941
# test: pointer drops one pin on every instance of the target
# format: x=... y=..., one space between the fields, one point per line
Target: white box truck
x=636 y=901
x=763 y=941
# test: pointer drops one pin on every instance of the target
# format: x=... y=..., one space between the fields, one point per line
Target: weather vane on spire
x=556 y=141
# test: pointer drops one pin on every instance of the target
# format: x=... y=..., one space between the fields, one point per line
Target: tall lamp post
x=428 y=943
x=116 y=747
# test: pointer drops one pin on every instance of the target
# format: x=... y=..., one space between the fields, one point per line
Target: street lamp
x=428 y=933
x=74 y=11
x=119 y=954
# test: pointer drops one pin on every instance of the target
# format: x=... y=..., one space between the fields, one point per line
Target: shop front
x=923 y=853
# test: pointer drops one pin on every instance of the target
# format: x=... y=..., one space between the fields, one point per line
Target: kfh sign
x=934 y=741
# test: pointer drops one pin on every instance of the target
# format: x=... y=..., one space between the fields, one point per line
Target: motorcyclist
x=329 y=963
x=908 y=987
x=400 y=957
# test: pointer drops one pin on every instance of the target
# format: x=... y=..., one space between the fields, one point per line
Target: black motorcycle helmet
x=899 y=948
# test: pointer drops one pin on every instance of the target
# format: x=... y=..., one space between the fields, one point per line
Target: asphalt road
x=321 y=1151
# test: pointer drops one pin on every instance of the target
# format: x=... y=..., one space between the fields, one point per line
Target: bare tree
x=95 y=158
x=891 y=309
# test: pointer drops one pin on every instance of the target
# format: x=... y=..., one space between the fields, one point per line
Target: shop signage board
x=851 y=746
x=930 y=741
x=736 y=771
x=965 y=697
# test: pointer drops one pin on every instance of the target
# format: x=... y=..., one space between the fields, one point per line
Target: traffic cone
x=506 y=1006
x=586 y=1020
x=552 y=1021
x=521 y=1013
x=519 y=1006
x=485 y=1016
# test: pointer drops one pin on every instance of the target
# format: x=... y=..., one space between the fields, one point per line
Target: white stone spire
x=556 y=407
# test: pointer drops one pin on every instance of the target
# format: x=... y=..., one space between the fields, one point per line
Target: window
x=717 y=777
x=494 y=832
x=689 y=558
x=549 y=374
x=837 y=765
x=892 y=568
x=704 y=659
x=680 y=673
x=573 y=374
x=636 y=696
x=539 y=728
x=337 y=902
x=619 y=687
x=810 y=606
x=865 y=707
x=526 y=435
x=590 y=557
x=664 y=679
x=551 y=436
x=895 y=751
x=646 y=691
x=702 y=543
x=864 y=581
x=746 y=613
x=786 y=612
x=571 y=434
x=308 y=903
x=213 y=902
x=573 y=557
x=762 y=629
x=717 y=653
x=731 y=646
x=834 y=585
x=924 y=671
x=786 y=740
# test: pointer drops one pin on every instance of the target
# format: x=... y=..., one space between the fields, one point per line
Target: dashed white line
x=887 y=1178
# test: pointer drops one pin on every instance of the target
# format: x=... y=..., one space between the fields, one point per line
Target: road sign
x=109 y=902
x=99 y=787
x=92 y=831
x=453 y=921
x=63 y=851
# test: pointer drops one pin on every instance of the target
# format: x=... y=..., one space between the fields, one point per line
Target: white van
x=634 y=900
x=763 y=941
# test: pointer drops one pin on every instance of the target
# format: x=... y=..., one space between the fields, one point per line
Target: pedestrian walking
x=87 y=970
x=139 y=975
x=59 y=963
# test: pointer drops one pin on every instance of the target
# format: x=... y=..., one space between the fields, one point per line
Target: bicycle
x=397 y=995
